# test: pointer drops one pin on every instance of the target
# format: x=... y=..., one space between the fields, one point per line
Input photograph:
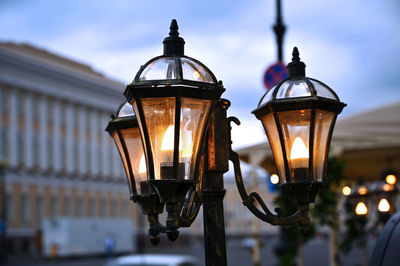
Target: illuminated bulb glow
x=391 y=179
x=168 y=140
x=346 y=190
x=383 y=205
x=362 y=190
x=142 y=165
x=387 y=187
x=299 y=149
x=274 y=179
x=361 y=208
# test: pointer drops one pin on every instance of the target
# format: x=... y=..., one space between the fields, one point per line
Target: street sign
x=274 y=74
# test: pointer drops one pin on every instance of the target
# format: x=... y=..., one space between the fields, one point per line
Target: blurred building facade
x=58 y=160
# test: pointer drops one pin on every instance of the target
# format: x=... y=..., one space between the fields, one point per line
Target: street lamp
x=385 y=193
x=186 y=140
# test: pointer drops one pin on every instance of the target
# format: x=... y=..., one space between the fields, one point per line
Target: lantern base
x=149 y=203
x=171 y=190
x=302 y=192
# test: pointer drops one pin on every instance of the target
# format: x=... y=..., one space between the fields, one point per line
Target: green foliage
x=354 y=228
x=325 y=208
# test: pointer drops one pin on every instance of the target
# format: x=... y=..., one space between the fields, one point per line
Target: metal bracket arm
x=250 y=200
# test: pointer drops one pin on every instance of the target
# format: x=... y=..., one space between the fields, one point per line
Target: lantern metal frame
x=302 y=192
x=183 y=198
x=149 y=200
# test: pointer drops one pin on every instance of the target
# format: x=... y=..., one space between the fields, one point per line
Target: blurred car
x=154 y=260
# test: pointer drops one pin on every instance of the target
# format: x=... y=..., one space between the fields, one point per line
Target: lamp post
x=385 y=192
x=185 y=134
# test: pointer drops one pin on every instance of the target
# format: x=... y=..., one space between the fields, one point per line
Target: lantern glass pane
x=193 y=71
x=159 y=115
x=137 y=160
x=293 y=88
x=126 y=110
x=322 y=131
x=194 y=115
x=160 y=69
x=295 y=127
x=124 y=160
x=323 y=91
x=270 y=128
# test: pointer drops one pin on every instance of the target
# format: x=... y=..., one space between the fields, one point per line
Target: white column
x=28 y=130
x=82 y=154
x=43 y=134
x=105 y=151
x=12 y=136
x=69 y=139
x=56 y=138
x=94 y=140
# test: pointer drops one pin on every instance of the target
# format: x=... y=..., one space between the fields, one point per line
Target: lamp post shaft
x=213 y=192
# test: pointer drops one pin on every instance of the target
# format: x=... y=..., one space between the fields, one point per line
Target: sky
x=353 y=46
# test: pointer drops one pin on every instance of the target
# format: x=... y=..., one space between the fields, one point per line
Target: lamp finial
x=173 y=44
x=296 y=68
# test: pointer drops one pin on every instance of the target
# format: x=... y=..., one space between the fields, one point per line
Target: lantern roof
x=174 y=74
x=124 y=118
x=302 y=92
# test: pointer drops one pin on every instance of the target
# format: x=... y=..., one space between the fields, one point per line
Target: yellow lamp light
x=384 y=205
x=361 y=208
x=346 y=190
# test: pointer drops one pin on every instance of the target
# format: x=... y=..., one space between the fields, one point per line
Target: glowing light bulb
x=391 y=179
x=387 y=187
x=362 y=190
x=346 y=190
x=299 y=149
x=383 y=205
x=142 y=165
x=168 y=140
x=274 y=179
x=361 y=208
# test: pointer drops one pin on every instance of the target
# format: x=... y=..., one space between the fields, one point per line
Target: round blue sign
x=274 y=74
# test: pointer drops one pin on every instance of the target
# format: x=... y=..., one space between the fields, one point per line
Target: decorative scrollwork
x=249 y=200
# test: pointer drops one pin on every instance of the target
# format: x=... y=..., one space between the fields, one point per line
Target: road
x=315 y=253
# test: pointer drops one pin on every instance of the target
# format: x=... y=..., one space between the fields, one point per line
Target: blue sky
x=353 y=46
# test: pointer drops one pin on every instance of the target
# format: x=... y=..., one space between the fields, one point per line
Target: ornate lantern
x=298 y=116
x=124 y=129
x=173 y=96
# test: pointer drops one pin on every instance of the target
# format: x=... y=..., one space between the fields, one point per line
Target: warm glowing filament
x=142 y=165
x=361 y=208
x=168 y=140
x=362 y=190
x=383 y=205
x=274 y=179
x=387 y=187
x=299 y=149
x=346 y=190
x=391 y=179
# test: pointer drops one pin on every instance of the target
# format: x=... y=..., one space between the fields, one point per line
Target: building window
x=10 y=208
x=24 y=209
x=92 y=207
x=67 y=207
x=103 y=208
x=53 y=207
x=39 y=209
x=79 y=209
x=125 y=209
x=114 y=208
